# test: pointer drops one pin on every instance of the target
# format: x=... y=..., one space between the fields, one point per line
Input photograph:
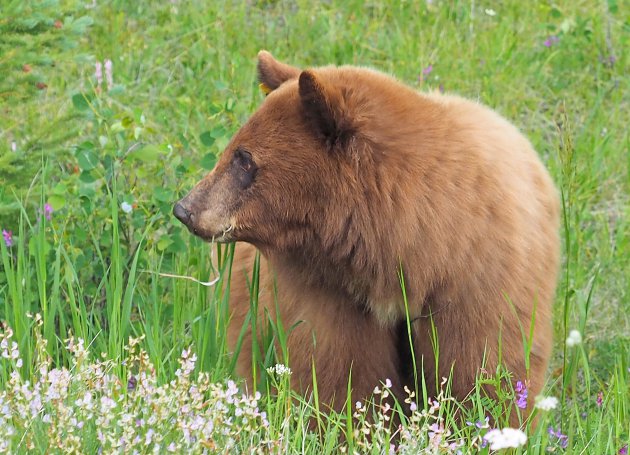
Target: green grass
x=184 y=75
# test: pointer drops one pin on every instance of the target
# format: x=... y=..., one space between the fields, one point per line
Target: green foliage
x=111 y=156
x=39 y=48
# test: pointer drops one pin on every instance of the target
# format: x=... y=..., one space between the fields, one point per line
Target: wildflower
x=109 y=74
x=413 y=406
x=48 y=211
x=553 y=39
x=358 y=405
x=600 y=399
x=505 y=438
x=490 y=12
x=521 y=397
x=132 y=382
x=574 y=338
x=561 y=439
x=280 y=370
x=480 y=423
x=435 y=434
x=126 y=207
x=98 y=74
x=426 y=71
x=388 y=383
x=624 y=450
x=13 y=146
x=8 y=238
x=546 y=403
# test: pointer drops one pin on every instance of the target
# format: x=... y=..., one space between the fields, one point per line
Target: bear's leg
x=464 y=349
x=340 y=339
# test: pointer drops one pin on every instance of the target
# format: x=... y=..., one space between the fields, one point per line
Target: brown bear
x=346 y=181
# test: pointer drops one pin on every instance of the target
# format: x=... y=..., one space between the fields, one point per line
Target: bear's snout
x=182 y=213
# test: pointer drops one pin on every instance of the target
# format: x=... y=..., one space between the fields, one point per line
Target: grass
x=184 y=80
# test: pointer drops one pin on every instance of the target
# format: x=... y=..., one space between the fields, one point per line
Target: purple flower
x=48 y=211
x=553 y=39
x=480 y=423
x=561 y=439
x=521 y=395
x=8 y=238
x=426 y=72
x=600 y=399
x=624 y=450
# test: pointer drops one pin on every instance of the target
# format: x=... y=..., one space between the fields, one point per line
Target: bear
x=403 y=236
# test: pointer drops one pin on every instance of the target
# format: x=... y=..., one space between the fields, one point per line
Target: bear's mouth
x=224 y=236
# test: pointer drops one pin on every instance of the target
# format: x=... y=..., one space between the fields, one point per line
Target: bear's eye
x=244 y=166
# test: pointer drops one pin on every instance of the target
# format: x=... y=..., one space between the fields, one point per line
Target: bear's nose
x=181 y=213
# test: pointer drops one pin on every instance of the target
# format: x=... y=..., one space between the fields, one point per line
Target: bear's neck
x=345 y=274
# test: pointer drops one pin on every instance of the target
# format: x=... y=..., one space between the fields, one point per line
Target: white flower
x=126 y=207
x=574 y=338
x=546 y=403
x=280 y=370
x=388 y=383
x=490 y=12
x=506 y=438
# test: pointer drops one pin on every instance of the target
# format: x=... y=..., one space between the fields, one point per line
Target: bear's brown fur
x=344 y=177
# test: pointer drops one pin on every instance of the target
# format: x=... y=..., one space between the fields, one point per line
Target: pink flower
x=553 y=39
x=98 y=74
x=48 y=211
x=8 y=238
x=426 y=71
x=600 y=399
x=109 y=74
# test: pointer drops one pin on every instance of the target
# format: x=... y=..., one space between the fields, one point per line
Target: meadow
x=111 y=110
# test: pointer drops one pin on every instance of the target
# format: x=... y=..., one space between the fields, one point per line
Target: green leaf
x=57 y=202
x=208 y=161
x=81 y=101
x=87 y=159
x=206 y=138
x=87 y=177
x=163 y=195
x=147 y=153
x=127 y=121
x=218 y=132
x=612 y=6
x=81 y=24
x=163 y=243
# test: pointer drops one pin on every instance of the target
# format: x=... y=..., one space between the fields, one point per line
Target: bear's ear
x=323 y=105
x=272 y=73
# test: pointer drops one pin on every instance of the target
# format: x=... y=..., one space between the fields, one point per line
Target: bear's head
x=286 y=170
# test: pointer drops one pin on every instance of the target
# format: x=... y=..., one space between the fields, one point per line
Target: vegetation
x=111 y=110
